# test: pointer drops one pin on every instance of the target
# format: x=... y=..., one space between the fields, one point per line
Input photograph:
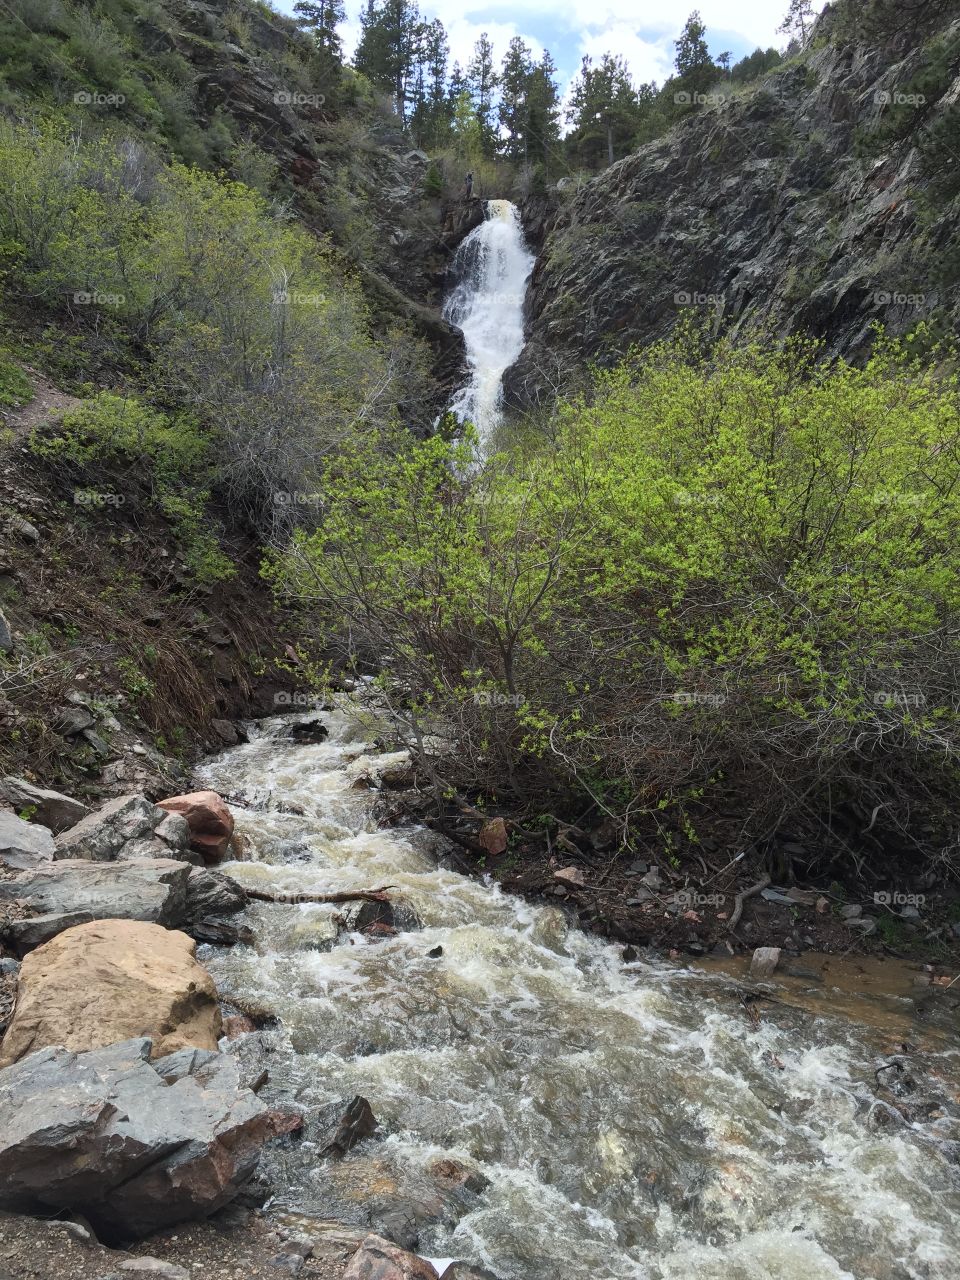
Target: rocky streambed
x=450 y=1072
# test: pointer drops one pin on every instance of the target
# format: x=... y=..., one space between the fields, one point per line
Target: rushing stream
x=492 y=267
x=631 y=1120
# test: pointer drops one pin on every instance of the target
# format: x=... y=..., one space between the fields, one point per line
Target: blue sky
x=642 y=33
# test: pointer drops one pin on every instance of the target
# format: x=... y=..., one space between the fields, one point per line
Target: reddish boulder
x=209 y=819
x=379 y=1259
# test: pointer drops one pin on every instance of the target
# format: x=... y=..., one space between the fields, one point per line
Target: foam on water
x=632 y=1122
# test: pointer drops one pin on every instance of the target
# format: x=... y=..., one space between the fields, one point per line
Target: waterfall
x=492 y=267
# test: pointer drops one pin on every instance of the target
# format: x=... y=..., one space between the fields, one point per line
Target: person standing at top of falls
x=468 y=186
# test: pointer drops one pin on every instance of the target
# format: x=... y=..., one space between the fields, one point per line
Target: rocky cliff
x=822 y=198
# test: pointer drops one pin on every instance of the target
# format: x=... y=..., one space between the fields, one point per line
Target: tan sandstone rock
x=111 y=980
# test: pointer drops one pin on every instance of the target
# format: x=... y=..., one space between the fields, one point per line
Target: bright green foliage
x=166 y=454
x=15 y=387
x=723 y=570
x=247 y=322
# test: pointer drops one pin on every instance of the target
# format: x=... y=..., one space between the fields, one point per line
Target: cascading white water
x=631 y=1121
x=493 y=265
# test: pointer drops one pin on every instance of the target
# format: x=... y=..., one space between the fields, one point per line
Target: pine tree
x=321 y=18
x=386 y=53
x=543 y=120
x=604 y=111
x=516 y=82
x=695 y=68
x=798 y=20
x=482 y=83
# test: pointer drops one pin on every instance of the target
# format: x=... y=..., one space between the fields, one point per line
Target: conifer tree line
x=513 y=110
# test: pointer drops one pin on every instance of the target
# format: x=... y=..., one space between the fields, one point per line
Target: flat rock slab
x=131 y=1145
x=49 y=808
x=23 y=844
x=153 y=889
x=100 y=983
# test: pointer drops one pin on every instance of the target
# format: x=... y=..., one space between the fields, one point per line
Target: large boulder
x=49 y=808
x=111 y=980
x=380 y=1259
x=131 y=1145
x=129 y=827
x=466 y=1271
x=23 y=844
x=209 y=819
x=153 y=889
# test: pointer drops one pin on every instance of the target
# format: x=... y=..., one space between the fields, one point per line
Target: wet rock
x=228 y=733
x=99 y=983
x=210 y=893
x=209 y=819
x=309 y=731
x=49 y=808
x=23 y=844
x=454 y=1175
x=435 y=952
x=131 y=1146
x=353 y=1125
x=154 y=890
x=379 y=1259
x=764 y=962
x=467 y=1271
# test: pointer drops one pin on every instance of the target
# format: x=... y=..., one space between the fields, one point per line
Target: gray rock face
x=154 y=890
x=131 y=1145
x=25 y=935
x=23 y=844
x=6 y=636
x=128 y=827
x=49 y=808
x=761 y=210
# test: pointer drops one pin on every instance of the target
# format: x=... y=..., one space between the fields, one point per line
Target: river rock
x=379 y=1259
x=467 y=1271
x=99 y=983
x=49 y=808
x=23 y=844
x=131 y=1145
x=209 y=820
x=764 y=962
x=155 y=890
x=128 y=827
x=352 y=1126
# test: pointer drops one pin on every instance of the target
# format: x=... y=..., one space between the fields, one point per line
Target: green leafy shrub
x=734 y=572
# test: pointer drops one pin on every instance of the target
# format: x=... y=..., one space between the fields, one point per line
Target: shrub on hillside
x=727 y=573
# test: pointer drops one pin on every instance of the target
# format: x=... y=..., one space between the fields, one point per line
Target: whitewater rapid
x=626 y=1121
x=492 y=267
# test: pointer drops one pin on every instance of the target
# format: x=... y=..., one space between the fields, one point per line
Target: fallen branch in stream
x=347 y=895
x=742 y=897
